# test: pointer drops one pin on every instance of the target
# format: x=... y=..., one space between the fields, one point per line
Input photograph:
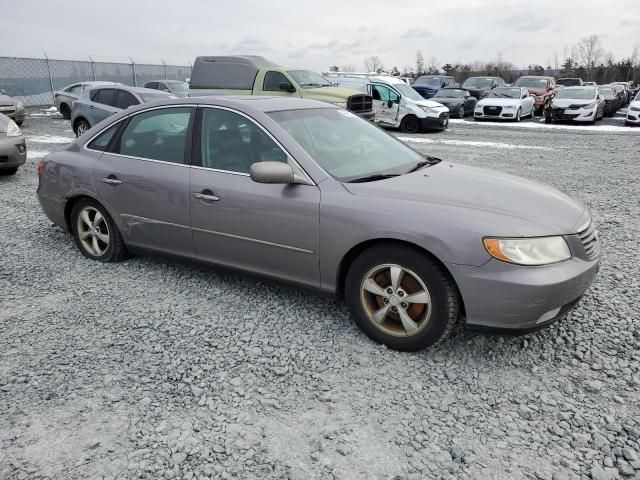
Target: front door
x=264 y=228
x=386 y=103
x=143 y=180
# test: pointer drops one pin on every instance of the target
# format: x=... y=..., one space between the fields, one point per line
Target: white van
x=396 y=104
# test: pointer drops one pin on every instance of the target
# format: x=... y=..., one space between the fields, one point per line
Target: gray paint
x=302 y=233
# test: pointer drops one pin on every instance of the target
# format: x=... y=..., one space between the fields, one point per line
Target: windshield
x=346 y=146
x=449 y=93
x=307 y=78
x=178 y=87
x=606 y=90
x=531 y=83
x=406 y=91
x=505 y=93
x=577 y=93
x=428 y=81
x=477 y=82
x=569 y=82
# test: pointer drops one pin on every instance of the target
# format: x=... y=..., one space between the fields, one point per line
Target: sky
x=316 y=34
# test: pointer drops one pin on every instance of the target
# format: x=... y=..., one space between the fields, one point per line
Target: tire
x=8 y=171
x=81 y=126
x=19 y=122
x=412 y=326
x=410 y=124
x=548 y=119
x=461 y=111
x=103 y=242
x=65 y=111
x=518 y=116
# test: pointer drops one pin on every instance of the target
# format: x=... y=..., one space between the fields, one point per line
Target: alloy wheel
x=395 y=300
x=82 y=127
x=93 y=231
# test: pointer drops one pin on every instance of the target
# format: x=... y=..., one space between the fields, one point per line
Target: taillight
x=40 y=167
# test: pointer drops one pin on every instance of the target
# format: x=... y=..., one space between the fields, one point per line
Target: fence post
x=50 y=78
x=165 y=68
x=133 y=69
x=93 y=68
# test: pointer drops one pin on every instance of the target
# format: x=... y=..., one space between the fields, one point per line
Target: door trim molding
x=151 y=220
x=254 y=240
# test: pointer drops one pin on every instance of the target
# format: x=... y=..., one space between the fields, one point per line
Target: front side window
x=157 y=135
x=272 y=81
x=231 y=142
x=101 y=142
x=385 y=94
x=344 y=145
x=125 y=100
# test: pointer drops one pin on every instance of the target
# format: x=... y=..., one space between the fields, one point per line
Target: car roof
x=170 y=80
x=130 y=89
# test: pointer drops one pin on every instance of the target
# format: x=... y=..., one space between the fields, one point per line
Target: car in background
x=12 y=108
x=633 y=112
x=620 y=93
x=98 y=103
x=428 y=85
x=578 y=104
x=13 y=149
x=480 y=86
x=589 y=84
x=64 y=97
x=505 y=103
x=542 y=88
x=262 y=186
x=626 y=95
x=570 y=82
x=459 y=101
x=611 y=100
x=175 y=87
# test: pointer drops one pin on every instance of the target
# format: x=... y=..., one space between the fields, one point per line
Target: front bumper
x=13 y=152
x=502 y=114
x=581 y=115
x=440 y=122
x=633 y=118
x=498 y=295
x=15 y=114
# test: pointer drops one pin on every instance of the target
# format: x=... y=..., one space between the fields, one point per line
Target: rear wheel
x=401 y=297
x=9 y=171
x=82 y=126
x=410 y=124
x=65 y=111
x=518 y=115
x=95 y=232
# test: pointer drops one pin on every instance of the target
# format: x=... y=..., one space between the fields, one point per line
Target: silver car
x=175 y=87
x=64 y=98
x=13 y=149
x=311 y=194
x=11 y=107
x=98 y=103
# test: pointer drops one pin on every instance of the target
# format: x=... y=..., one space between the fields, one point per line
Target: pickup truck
x=254 y=75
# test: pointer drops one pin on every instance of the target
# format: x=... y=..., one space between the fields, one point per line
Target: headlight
x=430 y=111
x=13 y=130
x=341 y=105
x=537 y=97
x=634 y=109
x=528 y=251
x=509 y=107
x=589 y=107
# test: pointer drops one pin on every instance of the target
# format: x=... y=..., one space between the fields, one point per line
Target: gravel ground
x=154 y=369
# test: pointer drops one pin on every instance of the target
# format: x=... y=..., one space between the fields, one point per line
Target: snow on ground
x=544 y=126
x=49 y=139
x=465 y=143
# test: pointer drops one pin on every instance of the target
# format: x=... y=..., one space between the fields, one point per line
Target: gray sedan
x=311 y=194
x=11 y=107
x=13 y=149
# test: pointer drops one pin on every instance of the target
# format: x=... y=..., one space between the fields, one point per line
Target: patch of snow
x=542 y=125
x=49 y=139
x=51 y=109
x=36 y=154
x=465 y=143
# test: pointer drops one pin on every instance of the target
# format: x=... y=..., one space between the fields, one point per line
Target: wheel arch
x=76 y=121
x=71 y=201
x=356 y=250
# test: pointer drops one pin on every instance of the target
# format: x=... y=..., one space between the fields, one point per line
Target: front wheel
x=410 y=124
x=95 y=232
x=401 y=298
x=81 y=127
x=461 y=111
x=65 y=111
x=518 y=115
x=9 y=171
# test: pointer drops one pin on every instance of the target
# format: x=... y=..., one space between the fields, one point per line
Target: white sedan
x=506 y=103
x=633 y=112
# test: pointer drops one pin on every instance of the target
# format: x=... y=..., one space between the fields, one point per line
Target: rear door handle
x=206 y=196
x=111 y=180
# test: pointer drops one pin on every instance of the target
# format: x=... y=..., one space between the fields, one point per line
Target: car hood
x=500 y=102
x=7 y=100
x=429 y=103
x=329 y=94
x=504 y=202
x=567 y=102
x=635 y=104
x=537 y=91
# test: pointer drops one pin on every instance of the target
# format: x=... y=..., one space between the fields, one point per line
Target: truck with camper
x=254 y=75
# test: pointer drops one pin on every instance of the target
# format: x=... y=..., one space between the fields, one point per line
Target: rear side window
x=125 y=99
x=101 y=142
x=76 y=89
x=106 y=96
x=272 y=81
x=157 y=135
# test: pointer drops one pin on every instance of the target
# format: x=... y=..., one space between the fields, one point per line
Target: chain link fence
x=33 y=80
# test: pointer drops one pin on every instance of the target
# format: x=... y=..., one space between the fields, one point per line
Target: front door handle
x=111 y=180
x=206 y=196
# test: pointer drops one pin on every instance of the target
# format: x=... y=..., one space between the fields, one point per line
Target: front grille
x=575 y=107
x=360 y=103
x=4 y=159
x=559 y=114
x=590 y=241
x=492 y=110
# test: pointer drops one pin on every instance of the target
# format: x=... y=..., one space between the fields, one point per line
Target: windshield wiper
x=425 y=163
x=374 y=178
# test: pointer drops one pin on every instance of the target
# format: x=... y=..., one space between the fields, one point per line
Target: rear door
x=143 y=180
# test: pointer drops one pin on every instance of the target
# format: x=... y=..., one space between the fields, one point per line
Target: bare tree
x=349 y=67
x=373 y=64
x=419 y=63
x=556 y=61
x=590 y=53
x=434 y=66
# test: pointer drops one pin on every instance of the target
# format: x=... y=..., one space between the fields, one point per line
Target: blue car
x=428 y=85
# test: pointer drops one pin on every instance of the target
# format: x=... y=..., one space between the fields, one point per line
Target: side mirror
x=287 y=87
x=389 y=103
x=271 y=172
